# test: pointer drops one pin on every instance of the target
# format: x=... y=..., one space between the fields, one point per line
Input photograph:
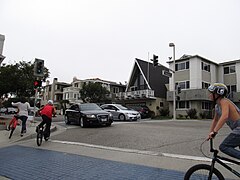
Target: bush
x=192 y=113
x=205 y=115
x=152 y=114
x=164 y=112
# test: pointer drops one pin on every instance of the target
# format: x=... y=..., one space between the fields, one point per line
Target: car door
x=114 y=110
x=76 y=113
x=110 y=109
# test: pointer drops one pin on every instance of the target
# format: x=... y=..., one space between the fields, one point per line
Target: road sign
x=166 y=73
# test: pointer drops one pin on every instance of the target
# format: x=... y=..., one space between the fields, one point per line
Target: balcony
x=190 y=95
x=135 y=94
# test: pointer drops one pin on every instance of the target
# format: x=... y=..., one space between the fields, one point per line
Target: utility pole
x=173 y=79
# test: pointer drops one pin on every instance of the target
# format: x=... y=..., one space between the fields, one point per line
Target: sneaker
x=46 y=138
x=37 y=129
x=21 y=134
x=8 y=128
x=24 y=131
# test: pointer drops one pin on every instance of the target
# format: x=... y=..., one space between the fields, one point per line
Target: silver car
x=121 y=112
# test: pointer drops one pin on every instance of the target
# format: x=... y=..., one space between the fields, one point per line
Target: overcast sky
x=102 y=38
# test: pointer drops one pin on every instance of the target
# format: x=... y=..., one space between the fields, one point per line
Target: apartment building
x=194 y=74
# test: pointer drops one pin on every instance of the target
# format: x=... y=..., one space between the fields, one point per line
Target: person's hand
x=211 y=135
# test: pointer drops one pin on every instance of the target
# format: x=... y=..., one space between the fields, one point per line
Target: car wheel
x=66 y=119
x=82 y=123
x=122 y=117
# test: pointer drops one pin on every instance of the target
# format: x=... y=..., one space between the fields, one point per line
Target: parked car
x=11 y=110
x=143 y=110
x=88 y=114
x=121 y=112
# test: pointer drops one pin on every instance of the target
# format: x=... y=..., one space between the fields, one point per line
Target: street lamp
x=173 y=79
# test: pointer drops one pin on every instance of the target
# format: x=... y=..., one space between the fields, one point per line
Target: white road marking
x=152 y=153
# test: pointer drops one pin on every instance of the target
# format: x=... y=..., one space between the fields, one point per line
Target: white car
x=121 y=112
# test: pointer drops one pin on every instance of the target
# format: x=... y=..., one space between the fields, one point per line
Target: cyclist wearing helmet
x=225 y=112
x=47 y=112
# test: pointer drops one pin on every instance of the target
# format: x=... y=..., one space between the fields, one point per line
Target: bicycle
x=205 y=171
x=12 y=125
x=41 y=134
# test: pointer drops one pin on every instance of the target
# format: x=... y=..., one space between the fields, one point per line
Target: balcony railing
x=190 y=94
x=147 y=93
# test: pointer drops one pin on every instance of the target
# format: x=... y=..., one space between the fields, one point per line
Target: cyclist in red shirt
x=47 y=113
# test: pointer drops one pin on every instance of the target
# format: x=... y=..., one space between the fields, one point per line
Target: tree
x=93 y=92
x=18 y=79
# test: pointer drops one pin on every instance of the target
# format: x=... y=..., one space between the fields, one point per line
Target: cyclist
x=46 y=112
x=225 y=112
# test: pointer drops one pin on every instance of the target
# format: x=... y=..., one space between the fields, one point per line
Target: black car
x=88 y=114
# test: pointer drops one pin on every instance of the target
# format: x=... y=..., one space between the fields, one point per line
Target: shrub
x=205 y=115
x=192 y=113
x=164 y=112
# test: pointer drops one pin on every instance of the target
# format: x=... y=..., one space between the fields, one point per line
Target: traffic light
x=37 y=83
x=155 y=60
x=39 y=67
x=179 y=89
x=178 y=98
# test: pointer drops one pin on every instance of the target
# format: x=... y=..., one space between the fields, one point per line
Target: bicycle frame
x=220 y=160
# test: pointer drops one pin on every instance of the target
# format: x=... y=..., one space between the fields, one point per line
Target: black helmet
x=218 y=88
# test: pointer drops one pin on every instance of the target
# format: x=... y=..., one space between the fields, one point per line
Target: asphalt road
x=174 y=137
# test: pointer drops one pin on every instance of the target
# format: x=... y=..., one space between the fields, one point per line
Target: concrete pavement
x=23 y=159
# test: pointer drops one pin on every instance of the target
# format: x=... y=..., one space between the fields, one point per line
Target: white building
x=194 y=74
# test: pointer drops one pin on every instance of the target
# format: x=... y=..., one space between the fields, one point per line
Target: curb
x=33 y=135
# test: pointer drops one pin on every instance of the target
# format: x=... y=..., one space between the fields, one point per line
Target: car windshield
x=89 y=107
x=121 y=107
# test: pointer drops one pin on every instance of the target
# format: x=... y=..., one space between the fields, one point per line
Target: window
x=232 y=88
x=229 y=69
x=183 y=105
x=205 y=85
x=115 y=89
x=184 y=84
x=182 y=66
x=206 y=105
x=205 y=67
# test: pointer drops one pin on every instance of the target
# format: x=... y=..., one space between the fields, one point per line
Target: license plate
x=104 y=119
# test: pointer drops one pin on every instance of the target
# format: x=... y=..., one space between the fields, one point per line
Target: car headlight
x=90 y=116
x=110 y=115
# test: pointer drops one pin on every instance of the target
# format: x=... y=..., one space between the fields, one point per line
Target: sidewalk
x=31 y=133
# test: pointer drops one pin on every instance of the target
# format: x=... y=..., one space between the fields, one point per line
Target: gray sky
x=101 y=38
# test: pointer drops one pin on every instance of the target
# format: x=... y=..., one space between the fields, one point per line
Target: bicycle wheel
x=201 y=171
x=39 y=137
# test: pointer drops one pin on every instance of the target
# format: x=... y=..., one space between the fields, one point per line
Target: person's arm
x=54 y=111
x=213 y=125
x=224 y=117
x=15 y=104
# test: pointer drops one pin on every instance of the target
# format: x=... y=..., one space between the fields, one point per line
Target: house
x=146 y=86
x=194 y=74
x=72 y=93
x=54 y=92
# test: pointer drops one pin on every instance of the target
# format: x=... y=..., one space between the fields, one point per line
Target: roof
x=152 y=76
x=187 y=57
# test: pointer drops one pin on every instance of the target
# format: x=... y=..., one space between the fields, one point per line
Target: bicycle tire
x=39 y=138
x=201 y=171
